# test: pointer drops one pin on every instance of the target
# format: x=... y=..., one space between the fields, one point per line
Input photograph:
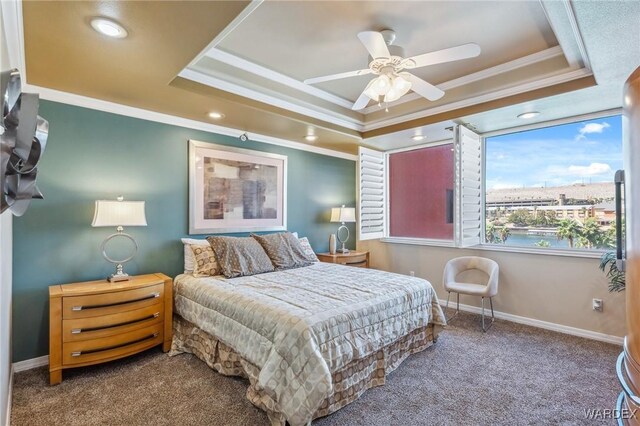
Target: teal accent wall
x=92 y=155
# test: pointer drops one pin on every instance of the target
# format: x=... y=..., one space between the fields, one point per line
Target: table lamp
x=343 y=214
x=119 y=214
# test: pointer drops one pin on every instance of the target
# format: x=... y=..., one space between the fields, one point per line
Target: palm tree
x=490 y=232
x=592 y=233
x=504 y=233
x=569 y=229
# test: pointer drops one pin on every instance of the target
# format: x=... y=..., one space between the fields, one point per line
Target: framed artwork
x=236 y=190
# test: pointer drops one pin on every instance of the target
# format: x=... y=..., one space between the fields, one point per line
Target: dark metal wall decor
x=21 y=144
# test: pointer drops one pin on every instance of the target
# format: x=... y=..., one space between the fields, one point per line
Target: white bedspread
x=300 y=325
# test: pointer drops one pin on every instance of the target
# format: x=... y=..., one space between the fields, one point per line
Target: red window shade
x=421 y=193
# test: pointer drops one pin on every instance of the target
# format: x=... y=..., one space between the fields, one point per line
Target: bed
x=310 y=340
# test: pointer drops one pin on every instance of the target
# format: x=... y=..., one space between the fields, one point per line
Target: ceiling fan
x=389 y=64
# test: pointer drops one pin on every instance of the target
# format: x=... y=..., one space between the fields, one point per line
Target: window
x=432 y=194
x=421 y=199
x=553 y=187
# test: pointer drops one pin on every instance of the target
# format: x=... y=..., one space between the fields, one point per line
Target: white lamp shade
x=119 y=213
x=343 y=214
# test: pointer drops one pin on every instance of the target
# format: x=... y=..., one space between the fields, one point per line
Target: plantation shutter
x=468 y=160
x=371 y=190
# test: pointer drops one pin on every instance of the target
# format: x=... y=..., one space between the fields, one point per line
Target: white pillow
x=189 y=260
x=306 y=247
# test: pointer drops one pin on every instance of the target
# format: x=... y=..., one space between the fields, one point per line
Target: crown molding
x=487 y=97
x=268 y=73
x=13 y=22
x=251 y=7
x=143 y=114
x=560 y=14
x=297 y=106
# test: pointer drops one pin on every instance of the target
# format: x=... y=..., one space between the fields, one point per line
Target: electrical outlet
x=412 y=274
x=597 y=305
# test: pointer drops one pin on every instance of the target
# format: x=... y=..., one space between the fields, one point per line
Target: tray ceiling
x=248 y=60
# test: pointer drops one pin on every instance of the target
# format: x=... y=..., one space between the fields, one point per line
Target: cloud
x=591 y=128
x=592 y=169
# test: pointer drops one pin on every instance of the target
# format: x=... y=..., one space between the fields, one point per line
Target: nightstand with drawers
x=99 y=321
x=359 y=259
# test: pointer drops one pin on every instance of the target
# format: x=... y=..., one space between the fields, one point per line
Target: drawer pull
x=85 y=330
x=153 y=295
x=90 y=351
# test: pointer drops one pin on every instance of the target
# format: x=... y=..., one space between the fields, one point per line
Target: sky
x=581 y=152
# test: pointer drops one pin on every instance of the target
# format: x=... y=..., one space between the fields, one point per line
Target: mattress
x=299 y=326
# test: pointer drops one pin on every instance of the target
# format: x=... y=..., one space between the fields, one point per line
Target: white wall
x=554 y=289
x=5 y=274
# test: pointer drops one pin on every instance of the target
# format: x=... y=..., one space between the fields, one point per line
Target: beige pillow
x=284 y=250
x=188 y=253
x=204 y=261
x=239 y=257
x=308 y=250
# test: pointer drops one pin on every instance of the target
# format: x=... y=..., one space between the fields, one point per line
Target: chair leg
x=446 y=308
x=493 y=318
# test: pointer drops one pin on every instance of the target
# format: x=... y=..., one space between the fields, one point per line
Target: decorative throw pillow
x=308 y=251
x=239 y=257
x=188 y=253
x=205 y=264
x=284 y=250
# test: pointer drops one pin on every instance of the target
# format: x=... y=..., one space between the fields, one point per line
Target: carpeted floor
x=511 y=375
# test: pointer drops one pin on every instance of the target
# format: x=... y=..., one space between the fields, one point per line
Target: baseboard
x=7 y=421
x=565 y=329
x=28 y=364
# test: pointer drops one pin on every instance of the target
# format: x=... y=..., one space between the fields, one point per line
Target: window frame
x=593 y=253
x=413 y=240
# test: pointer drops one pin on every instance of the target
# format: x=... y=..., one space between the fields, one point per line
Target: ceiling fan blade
x=337 y=76
x=375 y=44
x=361 y=102
x=422 y=88
x=464 y=51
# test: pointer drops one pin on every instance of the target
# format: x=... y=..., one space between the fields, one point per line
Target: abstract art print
x=235 y=190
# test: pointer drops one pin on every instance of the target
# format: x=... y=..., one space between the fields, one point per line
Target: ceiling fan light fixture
x=399 y=88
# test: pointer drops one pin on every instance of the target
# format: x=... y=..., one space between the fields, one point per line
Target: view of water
x=531 y=240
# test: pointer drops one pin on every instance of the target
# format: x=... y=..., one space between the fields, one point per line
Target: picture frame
x=235 y=189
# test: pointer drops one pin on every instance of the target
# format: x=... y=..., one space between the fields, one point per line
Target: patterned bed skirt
x=348 y=383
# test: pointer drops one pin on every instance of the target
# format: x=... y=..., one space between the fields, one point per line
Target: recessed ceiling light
x=311 y=138
x=417 y=138
x=216 y=115
x=108 y=27
x=527 y=115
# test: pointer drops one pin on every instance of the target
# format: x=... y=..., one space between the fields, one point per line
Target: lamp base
x=343 y=250
x=120 y=275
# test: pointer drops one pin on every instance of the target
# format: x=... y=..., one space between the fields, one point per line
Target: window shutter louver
x=468 y=158
x=372 y=194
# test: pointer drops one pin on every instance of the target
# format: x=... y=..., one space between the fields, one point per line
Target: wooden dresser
x=99 y=321
x=359 y=259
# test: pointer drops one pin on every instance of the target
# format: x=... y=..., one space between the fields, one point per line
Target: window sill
x=595 y=254
x=418 y=241
x=591 y=254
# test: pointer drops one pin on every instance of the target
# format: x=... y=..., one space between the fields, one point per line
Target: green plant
x=569 y=229
x=543 y=243
x=615 y=276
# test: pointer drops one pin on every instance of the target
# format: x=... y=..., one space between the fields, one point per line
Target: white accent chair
x=456 y=266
